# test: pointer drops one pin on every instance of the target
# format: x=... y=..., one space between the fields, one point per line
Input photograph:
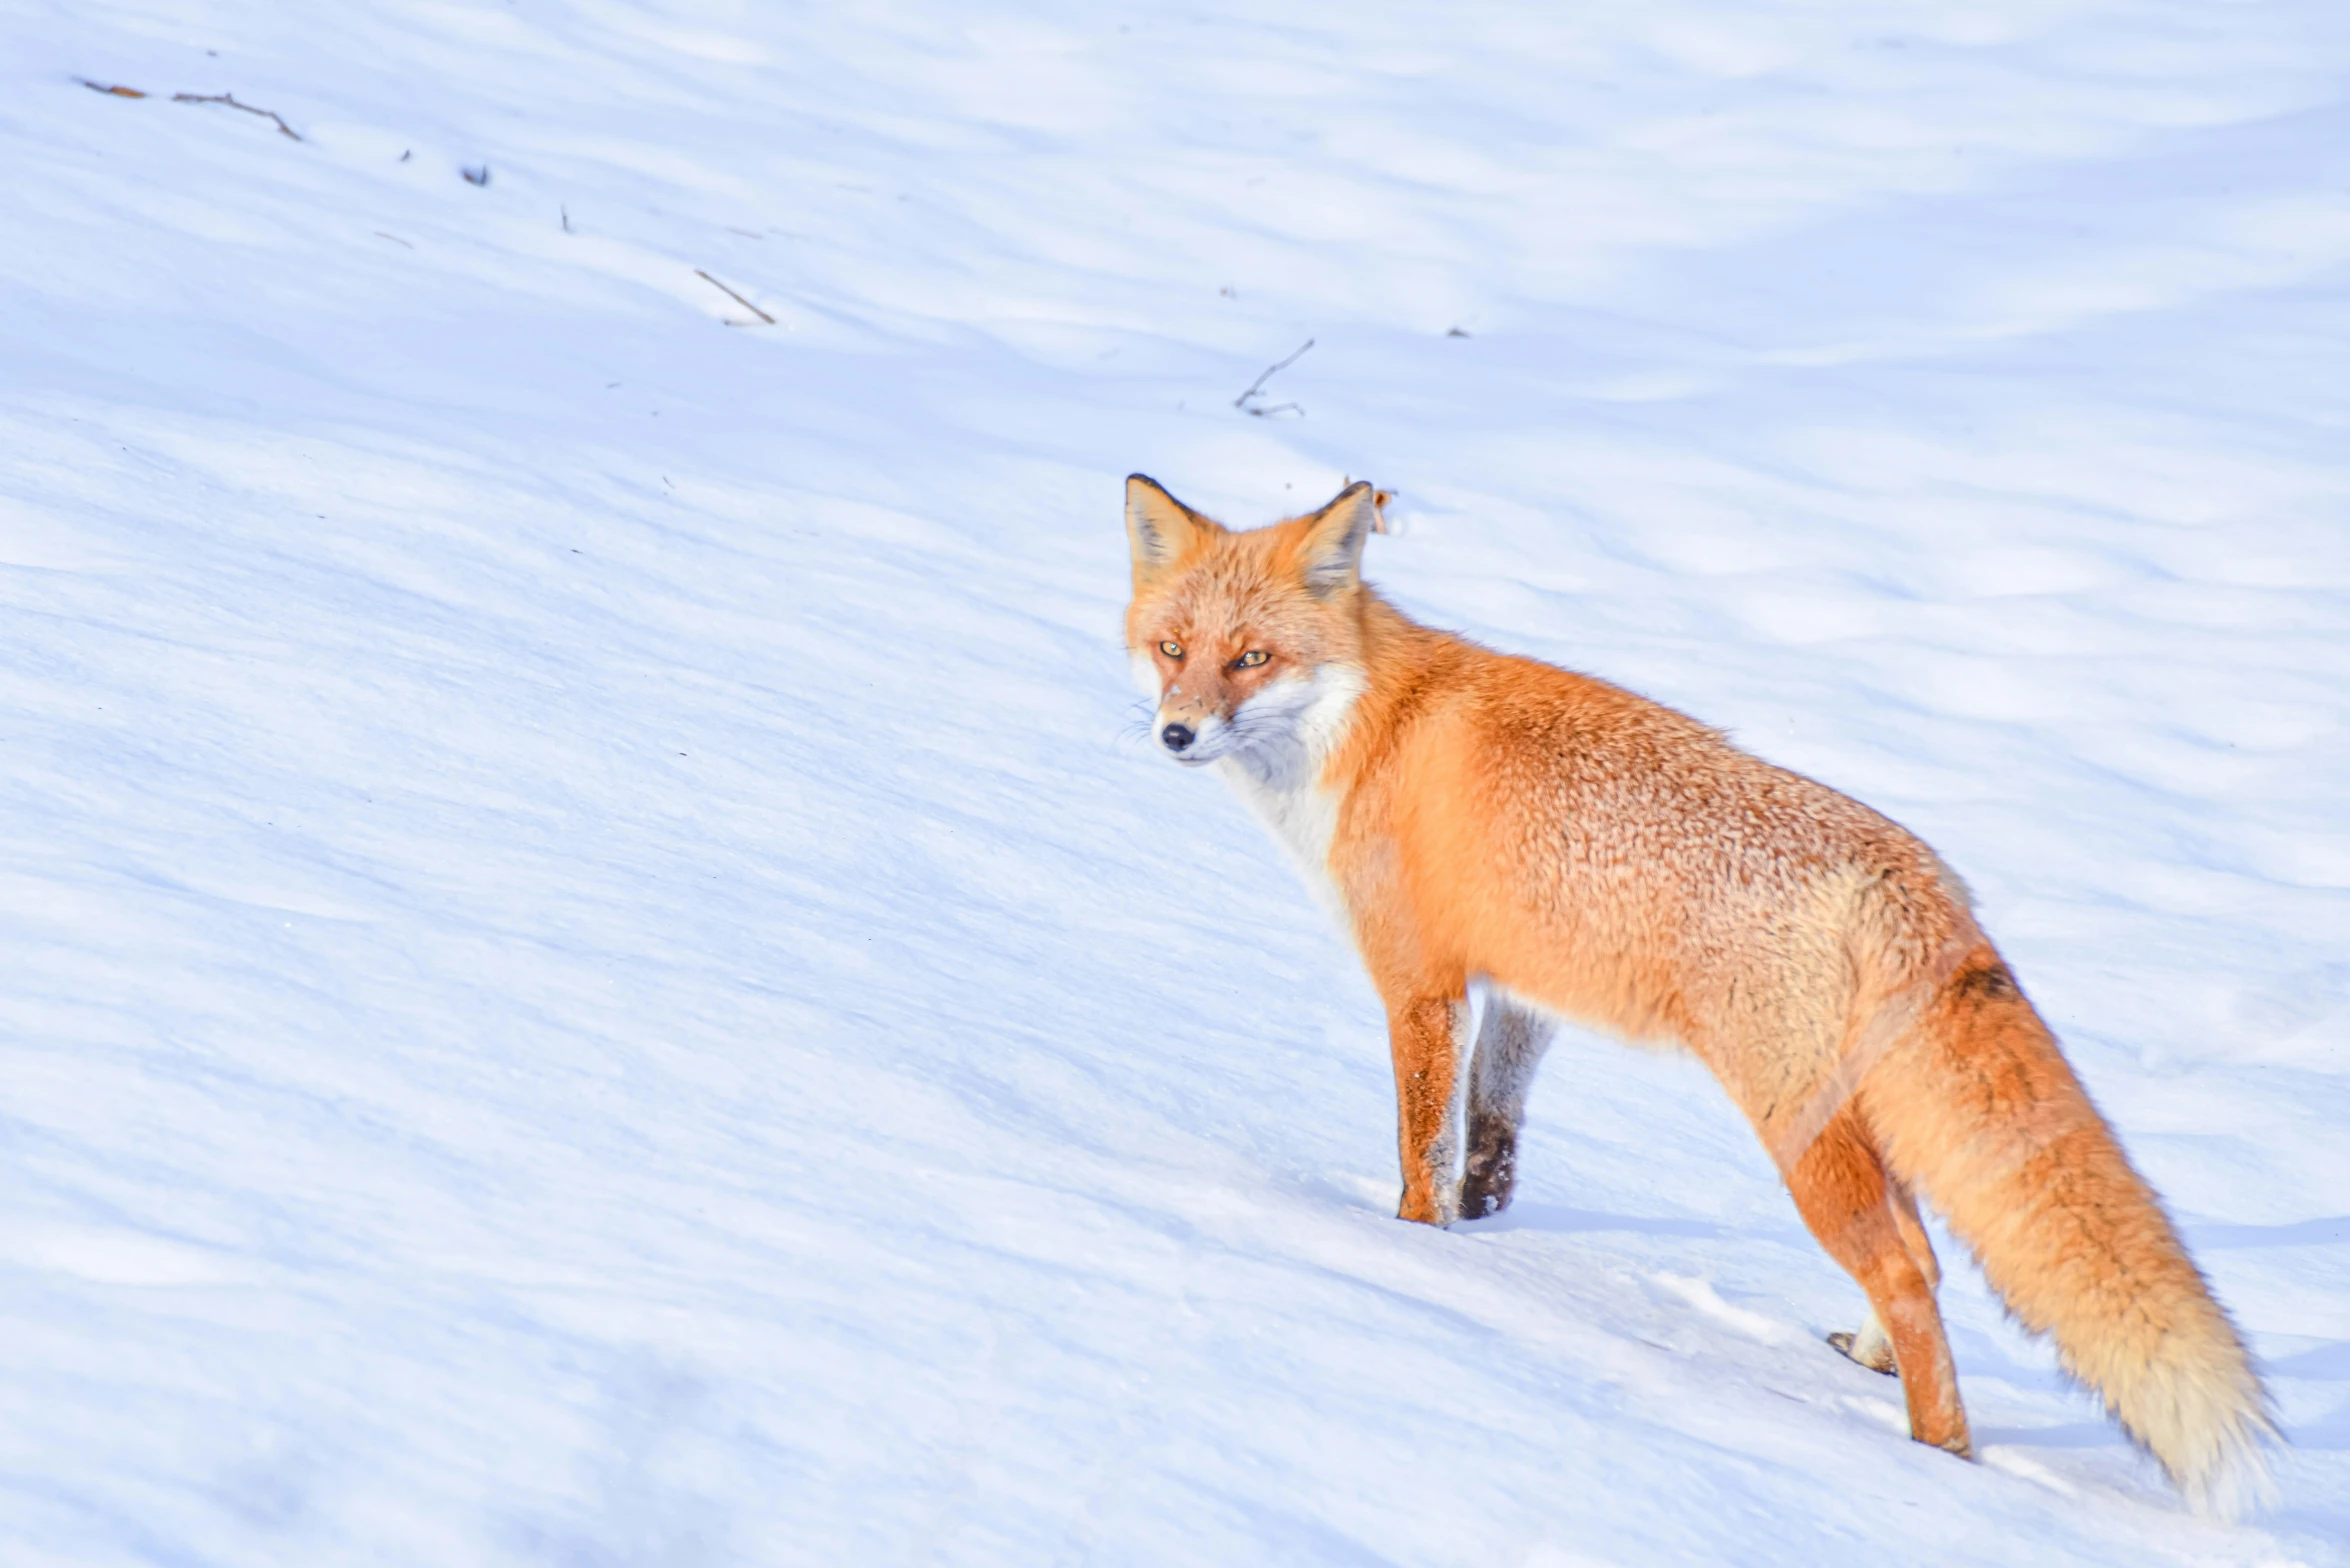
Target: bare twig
x=231 y=100
x=480 y=176
x=1253 y=400
x=101 y=87
x=394 y=238
x=737 y=298
x=566 y=211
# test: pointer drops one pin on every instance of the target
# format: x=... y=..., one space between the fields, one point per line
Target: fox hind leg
x=1847 y=1202
x=1872 y=1347
x=1913 y=1230
x=1510 y=1044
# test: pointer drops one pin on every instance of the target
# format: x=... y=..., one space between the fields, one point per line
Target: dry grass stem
x=737 y=298
x=231 y=100
x=1253 y=400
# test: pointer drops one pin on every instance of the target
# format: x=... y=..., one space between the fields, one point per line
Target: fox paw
x=1431 y=1210
x=1479 y=1201
x=1851 y=1347
x=1485 y=1185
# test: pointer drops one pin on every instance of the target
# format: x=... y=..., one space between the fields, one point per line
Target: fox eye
x=1173 y=650
x=1251 y=659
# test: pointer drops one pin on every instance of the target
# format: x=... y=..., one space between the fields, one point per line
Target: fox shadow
x=1561 y=1219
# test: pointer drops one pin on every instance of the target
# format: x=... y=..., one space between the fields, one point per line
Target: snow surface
x=599 y=972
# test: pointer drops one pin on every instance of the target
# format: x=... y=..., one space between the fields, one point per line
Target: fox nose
x=1178 y=737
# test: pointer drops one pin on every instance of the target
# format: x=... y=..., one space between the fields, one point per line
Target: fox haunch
x=1579 y=852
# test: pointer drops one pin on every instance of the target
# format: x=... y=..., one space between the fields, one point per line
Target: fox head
x=1250 y=643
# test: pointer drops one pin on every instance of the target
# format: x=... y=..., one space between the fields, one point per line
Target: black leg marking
x=1510 y=1043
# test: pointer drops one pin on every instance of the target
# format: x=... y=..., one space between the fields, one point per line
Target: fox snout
x=1191 y=735
x=1192 y=718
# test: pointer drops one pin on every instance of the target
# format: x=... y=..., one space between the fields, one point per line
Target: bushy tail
x=1979 y=1110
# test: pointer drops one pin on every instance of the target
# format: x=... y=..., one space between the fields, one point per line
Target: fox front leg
x=1510 y=1044
x=1429 y=1038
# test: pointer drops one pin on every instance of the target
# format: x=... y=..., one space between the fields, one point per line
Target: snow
x=599 y=973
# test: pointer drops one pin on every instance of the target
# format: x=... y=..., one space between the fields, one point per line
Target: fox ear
x=1331 y=552
x=1161 y=529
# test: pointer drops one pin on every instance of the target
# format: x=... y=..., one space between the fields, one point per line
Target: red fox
x=1578 y=852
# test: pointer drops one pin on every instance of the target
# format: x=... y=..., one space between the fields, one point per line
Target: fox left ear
x=1332 y=549
x=1161 y=529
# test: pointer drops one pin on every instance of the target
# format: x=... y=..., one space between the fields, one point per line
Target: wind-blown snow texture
x=598 y=972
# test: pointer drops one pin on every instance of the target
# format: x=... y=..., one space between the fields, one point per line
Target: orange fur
x=1476 y=818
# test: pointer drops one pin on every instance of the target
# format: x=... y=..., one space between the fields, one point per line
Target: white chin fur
x=1290 y=729
x=1284 y=734
x=1280 y=737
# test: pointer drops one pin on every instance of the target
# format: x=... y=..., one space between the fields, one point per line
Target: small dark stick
x=1252 y=401
x=231 y=100
x=101 y=87
x=480 y=176
x=737 y=298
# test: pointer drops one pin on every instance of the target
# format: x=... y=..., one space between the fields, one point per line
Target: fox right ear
x=1331 y=547
x=1161 y=529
